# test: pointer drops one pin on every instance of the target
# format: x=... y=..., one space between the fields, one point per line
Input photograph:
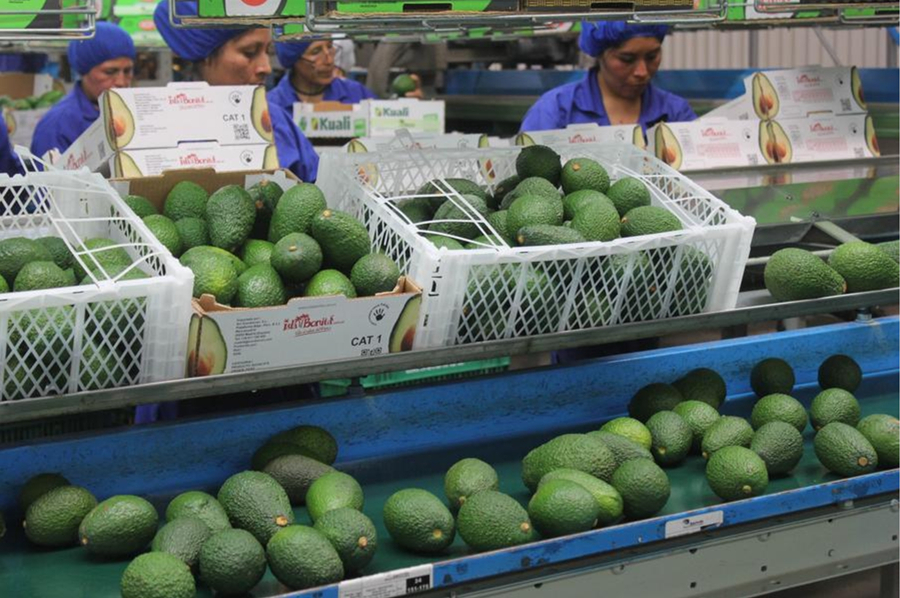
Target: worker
x=102 y=62
x=618 y=91
x=9 y=162
x=238 y=57
x=310 y=76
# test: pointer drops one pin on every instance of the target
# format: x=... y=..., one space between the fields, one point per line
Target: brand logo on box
x=305 y=324
x=392 y=112
x=579 y=138
x=195 y=160
x=323 y=123
x=183 y=99
x=820 y=128
x=805 y=79
x=713 y=132
x=76 y=161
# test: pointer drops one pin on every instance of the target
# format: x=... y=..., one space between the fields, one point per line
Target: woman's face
x=628 y=69
x=315 y=68
x=107 y=75
x=242 y=60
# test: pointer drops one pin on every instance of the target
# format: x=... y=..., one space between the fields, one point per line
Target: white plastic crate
x=506 y=292
x=105 y=334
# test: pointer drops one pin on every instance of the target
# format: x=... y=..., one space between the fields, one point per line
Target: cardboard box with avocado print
x=137 y=163
x=167 y=117
x=331 y=120
x=307 y=330
x=584 y=133
x=416 y=116
x=706 y=143
x=818 y=138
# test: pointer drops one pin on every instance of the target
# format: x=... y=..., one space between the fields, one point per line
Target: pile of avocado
x=44 y=100
x=793 y=274
x=261 y=246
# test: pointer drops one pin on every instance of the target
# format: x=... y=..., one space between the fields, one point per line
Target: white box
x=331 y=119
x=416 y=116
x=228 y=158
x=829 y=137
x=585 y=133
x=426 y=141
x=703 y=144
x=21 y=124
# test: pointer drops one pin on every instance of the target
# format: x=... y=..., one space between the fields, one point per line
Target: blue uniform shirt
x=9 y=163
x=295 y=152
x=64 y=123
x=581 y=102
x=344 y=91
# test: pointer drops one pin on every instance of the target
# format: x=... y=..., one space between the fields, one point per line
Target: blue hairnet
x=190 y=44
x=289 y=52
x=109 y=42
x=602 y=35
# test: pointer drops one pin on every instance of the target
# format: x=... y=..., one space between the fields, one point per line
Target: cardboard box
x=708 y=143
x=169 y=117
x=331 y=119
x=306 y=330
x=417 y=116
x=21 y=123
x=23 y=85
x=429 y=141
x=137 y=163
x=829 y=137
x=586 y=133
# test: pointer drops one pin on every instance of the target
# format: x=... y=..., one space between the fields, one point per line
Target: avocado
x=195 y=253
x=352 y=535
x=260 y=286
x=213 y=275
x=864 y=267
x=58 y=249
x=644 y=488
x=793 y=274
x=35 y=276
x=259 y=114
x=255 y=502
x=314 y=441
x=571 y=451
x=883 y=432
x=540 y=161
x=442 y=242
x=295 y=211
x=608 y=499
x=736 y=472
x=856 y=87
x=561 y=507
x=194 y=232
x=101 y=368
x=834 y=405
x=501 y=189
x=728 y=430
x=39 y=485
x=532 y=210
x=871 y=137
x=779 y=407
x=653 y=398
x=459 y=217
x=779 y=445
x=182 y=538
x=491 y=520
x=329 y=282
x=628 y=193
x=141 y=206
x=546 y=234
x=704 y=385
x=53 y=518
x=120 y=122
x=119 y=526
x=699 y=417
x=230 y=214
x=333 y=490
x=435 y=191
x=530 y=186
x=845 y=451
x=584 y=173
x=692 y=283
x=232 y=562
x=500 y=221
x=594 y=308
x=597 y=221
x=418 y=521
x=157 y=575
x=764 y=96
x=100 y=251
x=374 y=273
x=296 y=473
x=207 y=353
x=273 y=449
x=840 y=371
x=166 y=233
x=302 y=557
x=416 y=210
x=672 y=437
x=487 y=242
x=265 y=195
x=403 y=335
x=630 y=428
x=466 y=478
x=772 y=375
x=402 y=85
x=343 y=238
x=186 y=200
x=256 y=251
x=15 y=252
x=649 y=220
x=667 y=147
x=198 y=505
x=774 y=143
x=575 y=202
x=622 y=448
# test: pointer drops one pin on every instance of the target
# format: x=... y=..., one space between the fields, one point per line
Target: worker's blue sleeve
x=9 y=162
x=64 y=123
x=295 y=152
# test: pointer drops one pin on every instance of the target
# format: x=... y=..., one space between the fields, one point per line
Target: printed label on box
x=585 y=133
x=331 y=120
x=705 y=144
x=226 y=158
x=387 y=116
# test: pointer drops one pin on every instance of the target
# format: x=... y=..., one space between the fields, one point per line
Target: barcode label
x=753 y=159
x=859 y=152
x=241 y=132
x=694 y=524
x=845 y=105
x=401 y=582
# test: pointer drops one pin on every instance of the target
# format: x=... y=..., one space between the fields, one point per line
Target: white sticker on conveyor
x=693 y=524
x=387 y=585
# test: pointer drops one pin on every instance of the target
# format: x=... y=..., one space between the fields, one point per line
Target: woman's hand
x=417 y=92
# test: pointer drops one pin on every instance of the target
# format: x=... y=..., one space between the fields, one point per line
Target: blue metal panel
x=880 y=85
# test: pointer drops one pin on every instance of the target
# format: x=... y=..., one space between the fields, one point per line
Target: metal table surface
x=394 y=440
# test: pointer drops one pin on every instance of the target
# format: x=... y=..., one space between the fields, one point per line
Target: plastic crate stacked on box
x=505 y=292
x=107 y=333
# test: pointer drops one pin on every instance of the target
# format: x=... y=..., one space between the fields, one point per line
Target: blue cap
x=190 y=44
x=602 y=35
x=290 y=52
x=109 y=42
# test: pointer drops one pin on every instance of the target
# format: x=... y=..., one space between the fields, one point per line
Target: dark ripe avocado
x=404 y=332
x=207 y=350
x=667 y=147
x=259 y=113
x=765 y=99
x=120 y=122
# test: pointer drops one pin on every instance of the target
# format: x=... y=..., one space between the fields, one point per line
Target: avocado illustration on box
x=404 y=333
x=765 y=98
x=667 y=147
x=367 y=173
x=259 y=114
x=523 y=139
x=120 y=121
x=487 y=167
x=207 y=351
x=270 y=158
x=856 y=87
x=774 y=143
x=871 y=139
x=10 y=122
x=637 y=137
x=126 y=166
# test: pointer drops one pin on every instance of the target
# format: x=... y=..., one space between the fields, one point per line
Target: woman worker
x=310 y=76
x=238 y=57
x=618 y=90
x=105 y=61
